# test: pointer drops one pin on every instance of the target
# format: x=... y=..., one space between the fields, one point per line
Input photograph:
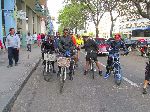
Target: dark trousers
x=13 y=53
x=29 y=47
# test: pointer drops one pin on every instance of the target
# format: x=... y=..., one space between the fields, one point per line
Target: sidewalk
x=12 y=79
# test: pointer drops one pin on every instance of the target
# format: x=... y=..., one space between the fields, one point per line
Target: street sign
x=8 y=13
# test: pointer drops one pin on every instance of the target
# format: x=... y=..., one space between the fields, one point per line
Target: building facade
x=23 y=15
x=135 y=28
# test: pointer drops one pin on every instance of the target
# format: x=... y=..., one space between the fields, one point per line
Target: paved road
x=84 y=94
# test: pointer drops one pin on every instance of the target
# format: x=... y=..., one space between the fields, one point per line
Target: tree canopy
x=72 y=16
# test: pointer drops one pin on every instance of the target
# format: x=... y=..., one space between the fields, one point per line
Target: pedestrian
x=35 y=37
x=29 y=42
x=39 y=39
x=13 y=46
x=42 y=37
x=1 y=45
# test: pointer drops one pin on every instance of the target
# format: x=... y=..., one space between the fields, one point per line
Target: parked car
x=101 y=42
x=130 y=44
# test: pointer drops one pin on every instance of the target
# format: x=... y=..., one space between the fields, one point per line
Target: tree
x=94 y=10
x=111 y=6
x=142 y=7
x=72 y=16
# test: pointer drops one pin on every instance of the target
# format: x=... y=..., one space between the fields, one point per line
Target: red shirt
x=1 y=46
x=74 y=40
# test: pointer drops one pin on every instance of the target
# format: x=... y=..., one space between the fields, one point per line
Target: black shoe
x=144 y=91
x=70 y=76
x=58 y=74
x=76 y=65
x=85 y=72
x=54 y=71
x=100 y=73
x=9 y=66
x=16 y=64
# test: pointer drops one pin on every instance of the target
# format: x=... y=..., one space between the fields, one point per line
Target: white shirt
x=35 y=36
x=29 y=39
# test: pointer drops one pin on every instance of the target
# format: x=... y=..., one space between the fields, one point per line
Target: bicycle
x=92 y=67
x=116 y=68
x=64 y=63
x=49 y=57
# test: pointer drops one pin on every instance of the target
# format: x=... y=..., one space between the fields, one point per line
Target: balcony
x=36 y=6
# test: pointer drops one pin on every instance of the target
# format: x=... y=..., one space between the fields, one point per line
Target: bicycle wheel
x=92 y=66
x=71 y=75
x=118 y=76
x=44 y=70
x=62 y=80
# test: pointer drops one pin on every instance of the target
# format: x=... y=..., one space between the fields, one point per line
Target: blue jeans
x=13 y=53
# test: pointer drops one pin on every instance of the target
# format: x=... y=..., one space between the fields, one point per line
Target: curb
x=10 y=104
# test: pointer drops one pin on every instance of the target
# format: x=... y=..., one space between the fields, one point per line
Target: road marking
x=124 y=78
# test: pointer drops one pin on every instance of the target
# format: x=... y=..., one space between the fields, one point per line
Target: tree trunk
x=111 y=29
x=112 y=25
x=76 y=30
x=85 y=31
x=97 y=31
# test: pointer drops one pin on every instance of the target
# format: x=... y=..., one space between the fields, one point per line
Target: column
x=35 y=23
x=10 y=21
x=1 y=28
x=43 y=29
x=30 y=21
x=38 y=25
x=24 y=23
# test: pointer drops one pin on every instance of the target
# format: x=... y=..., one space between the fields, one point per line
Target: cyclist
x=79 y=43
x=75 y=44
x=91 y=48
x=66 y=48
x=147 y=74
x=115 y=46
x=48 y=46
x=56 y=41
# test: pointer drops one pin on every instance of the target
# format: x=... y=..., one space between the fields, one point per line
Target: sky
x=54 y=6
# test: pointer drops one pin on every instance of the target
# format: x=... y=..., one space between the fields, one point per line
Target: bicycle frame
x=92 y=66
x=48 y=66
x=63 y=73
x=116 y=68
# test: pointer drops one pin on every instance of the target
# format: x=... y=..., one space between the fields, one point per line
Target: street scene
x=74 y=56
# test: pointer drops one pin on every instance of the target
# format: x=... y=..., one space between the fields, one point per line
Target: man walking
x=29 y=42
x=13 y=45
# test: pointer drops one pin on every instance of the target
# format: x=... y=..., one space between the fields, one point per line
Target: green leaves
x=72 y=16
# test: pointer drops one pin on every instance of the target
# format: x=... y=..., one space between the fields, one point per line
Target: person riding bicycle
x=147 y=73
x=66 y=48
x=48 y=46
x=115 y=46
x=56 y=41
x=79 y=43
x=91 y=48
x=75 y=44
